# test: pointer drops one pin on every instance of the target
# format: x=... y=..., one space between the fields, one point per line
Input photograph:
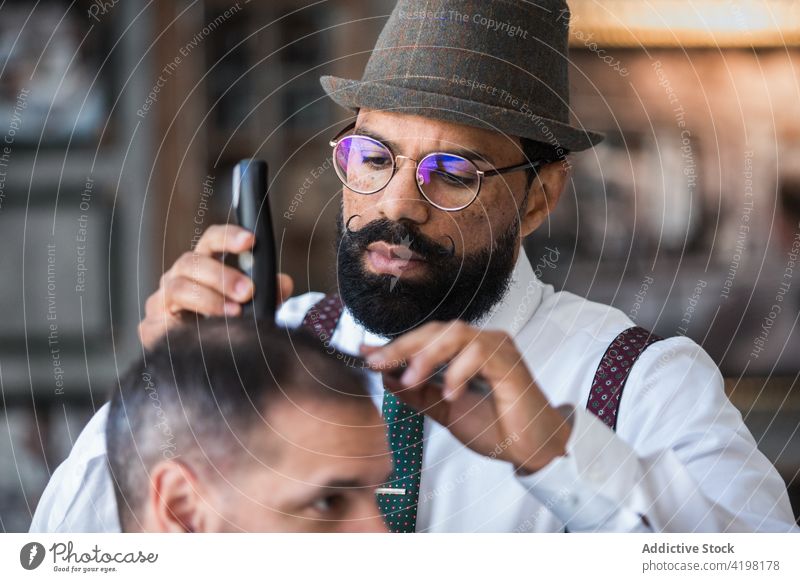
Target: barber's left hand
x=515 y=423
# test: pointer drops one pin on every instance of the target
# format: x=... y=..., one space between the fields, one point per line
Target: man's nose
x=401 y=199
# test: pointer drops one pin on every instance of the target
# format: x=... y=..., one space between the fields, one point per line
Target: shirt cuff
x=592 y=487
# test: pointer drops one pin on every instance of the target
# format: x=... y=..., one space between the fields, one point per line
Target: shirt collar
x=511 y=313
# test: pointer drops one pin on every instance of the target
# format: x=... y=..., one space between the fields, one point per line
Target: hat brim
x=353 y=94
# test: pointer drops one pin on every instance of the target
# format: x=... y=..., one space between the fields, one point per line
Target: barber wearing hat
x=457 y=152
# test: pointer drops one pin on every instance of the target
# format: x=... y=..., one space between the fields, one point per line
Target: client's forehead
x=325 y=426
x=314 y=443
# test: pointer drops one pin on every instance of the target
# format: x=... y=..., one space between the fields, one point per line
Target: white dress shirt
x=680 y=460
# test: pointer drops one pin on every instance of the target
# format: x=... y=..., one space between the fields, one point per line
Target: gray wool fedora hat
x=498 y=65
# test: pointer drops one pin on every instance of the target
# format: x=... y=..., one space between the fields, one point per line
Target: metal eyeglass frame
x=481 y=173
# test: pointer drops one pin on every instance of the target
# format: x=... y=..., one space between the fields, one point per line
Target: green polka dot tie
x=404 y=426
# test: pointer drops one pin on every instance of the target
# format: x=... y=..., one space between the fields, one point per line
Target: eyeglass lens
x=365 y=166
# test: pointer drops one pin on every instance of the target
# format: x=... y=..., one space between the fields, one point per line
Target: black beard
x=464 y=288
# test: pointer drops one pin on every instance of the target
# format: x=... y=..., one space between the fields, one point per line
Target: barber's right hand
x=199 y=282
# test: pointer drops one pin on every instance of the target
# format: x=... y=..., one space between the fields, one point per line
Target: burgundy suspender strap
x=609 y=379
x=612 y=373
x=323 y=317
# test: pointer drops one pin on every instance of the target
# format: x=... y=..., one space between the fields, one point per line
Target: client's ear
x=176 y=500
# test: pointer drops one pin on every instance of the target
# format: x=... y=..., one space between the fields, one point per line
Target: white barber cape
x=680 y=460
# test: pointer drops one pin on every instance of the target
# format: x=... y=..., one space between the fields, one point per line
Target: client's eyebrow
x=393 y=145
x=343 y=484
x=355 y=483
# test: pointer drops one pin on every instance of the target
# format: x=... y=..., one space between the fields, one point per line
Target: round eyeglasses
x=447 y=181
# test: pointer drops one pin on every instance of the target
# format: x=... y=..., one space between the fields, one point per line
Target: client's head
x=229 y=426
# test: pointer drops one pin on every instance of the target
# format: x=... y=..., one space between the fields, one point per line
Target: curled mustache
x=397 y=233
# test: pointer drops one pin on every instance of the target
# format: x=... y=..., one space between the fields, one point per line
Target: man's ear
x=176 y=500
x=543 y=196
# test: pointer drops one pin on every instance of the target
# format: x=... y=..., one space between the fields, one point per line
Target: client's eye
x=328 y=503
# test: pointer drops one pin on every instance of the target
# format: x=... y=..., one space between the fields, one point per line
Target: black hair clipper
x=251 y=203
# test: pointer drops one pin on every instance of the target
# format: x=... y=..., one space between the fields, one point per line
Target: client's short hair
x=200 y=391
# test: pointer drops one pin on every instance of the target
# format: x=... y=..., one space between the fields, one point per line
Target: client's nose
x=367 y=518
x=376 y=524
